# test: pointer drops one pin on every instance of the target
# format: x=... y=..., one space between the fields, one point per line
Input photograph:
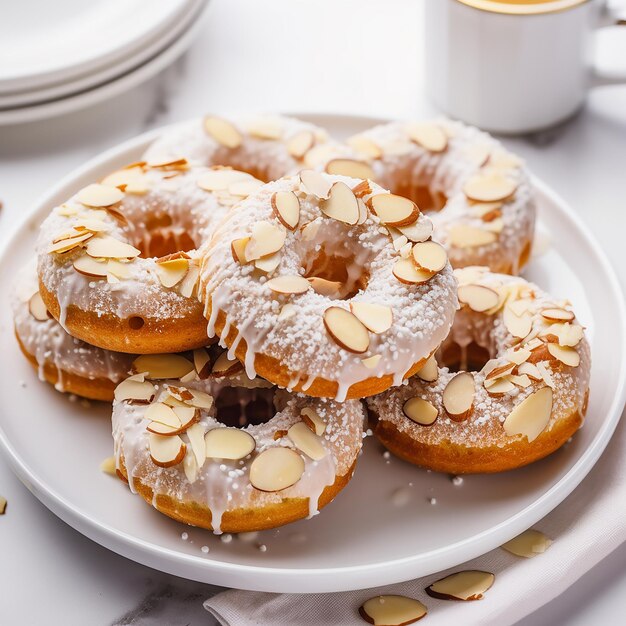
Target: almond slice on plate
x=567 y=356
x=315 y=183
x=365 y=146
x=377 y=318
x=478 y=297
x=108 y=466
x=307 y=441
x=394 y=210
x=172 y=270
x=276 y=469
x=428 y=135
x=162 y=365
x=266 y=239
x=238 y=249
x=420 y=411
x=289 y=284
x=221 y=179
x=430 y=256
x=392 y=610
x=467 y=585
x=228 y=443
x=97 y=195
x=225 y=366
x=346 y=329
x=557 y=315
x=313 y=420
x=341 y=205
x=430 y=370
x=111 y=248
x=406 y=272
x=458 y=396
x=349 y=167
x=529 y=544
x=463 y=236
x=300 y=143
x=286 y=207
x=134 y=389
x=166 y=451
x=531 y=416
x=325 y=287
x=37 y=308
x=223 y=132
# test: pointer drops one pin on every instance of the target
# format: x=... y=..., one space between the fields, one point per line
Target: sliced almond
x=108 y=466
x=420 y=411
x=458 y=396
x=245 y=187
x=394 y=210
x=310 y=229
x=238 y=249
x=569 y=334
x=530 y=370
x=286 y=207
x=37 y=308
x=163 y=420
x=478 y=297
x=499 y=386
x=66 y=244
x=371 y=362
x=313 y=420
x=430 y=256
x=557 y=315
x=463 y=236
x=531 y=416
x=134 y=390
x=307 y=441
x=478 y=153
x=349 y=167
x=221 y=179
x=200 y=399
x=362 y=189
x=320 y=154
x=466 y=586
x=265 y=128
x=377 y=318
x=315 y=183
x=97 y=195
x=276 y=469
x=189 y=285
x=420 y=231
x=501 y=370
x=567 y=356
x=489 y=188
x=228 y=443
x=346 y=330
x=341 y=205
x=365 y=146
x=90 y=267
x=300 y=143
x=430 y=370
x=172 y=271
x=266 y=239
x=166 y=451
x=289 y=284
x=132 y=179
x=518 y=326
x=223 y=132
x=428 y=135
x=196 y=438
x=269 y=263
x=202 y=363
x=517 y=356
x=287 y=311
x=225 y=366
x=406 y=272
x=3 y=505
x=162 y=365
x=392 y=610
x=528 y=545
x=111 y=248
x=328 y=288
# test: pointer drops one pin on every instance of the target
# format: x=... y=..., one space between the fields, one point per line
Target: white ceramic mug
x=511 y=66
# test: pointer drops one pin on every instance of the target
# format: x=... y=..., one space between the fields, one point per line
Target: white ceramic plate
x=362 y=539
x=194 y=23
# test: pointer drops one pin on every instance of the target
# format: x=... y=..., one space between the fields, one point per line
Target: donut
x=302 y=282
x=209 y=447
x=69 y=364
x=266 y=146
x=117 y=262
x=526 y=401
x=477 y=194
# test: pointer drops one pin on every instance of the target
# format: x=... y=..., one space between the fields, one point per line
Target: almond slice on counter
x=221 y=178
x=420 y=411
x=325 y=287
x=276 y=469
x=223 y=132
x=238 y=249
x=467 y=585
x=97 y=195
x=135 y=389
x=37 y=308
x=228 y=443
x=313 y=420
x=349 y=167
x=458 y=396
x=315 y=183
x=567 y=356
x=531 y=416
x=266 y=239
x=289 y=284
x=392 y=610
x=365 y=146
x=489 y=188
x=346 y=329
x=300 y=143
x=430 y=370
x=166 y=451
x=307 y=441
x=557 y=315
x=394 y=210
x=478 y=297
x=172 y=270
x=529 y=544
x=430 y=256
x=371 y=362
x=463 y=236
x=286 y=207
x=225 y=366
x=110 y=248
x=341 y=205
x=406 y=272
x=162 y=365
x=428 y=135
x=377 y=318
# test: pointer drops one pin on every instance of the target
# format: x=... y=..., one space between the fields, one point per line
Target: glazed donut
x=266 y=146
x=302 y=283
x=116 y=262
x=229 y=454
x=527 y=400
x=69 y=364
x=478 y=194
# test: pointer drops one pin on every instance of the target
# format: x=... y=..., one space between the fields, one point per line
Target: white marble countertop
x=347 y=59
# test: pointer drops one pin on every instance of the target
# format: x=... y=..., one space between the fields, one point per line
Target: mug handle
x=607 y=19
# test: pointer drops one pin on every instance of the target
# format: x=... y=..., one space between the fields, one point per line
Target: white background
x=343 y=56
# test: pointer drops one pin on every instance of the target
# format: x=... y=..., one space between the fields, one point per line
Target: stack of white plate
x=56 y=57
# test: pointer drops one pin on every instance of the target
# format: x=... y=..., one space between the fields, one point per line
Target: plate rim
x=310 y=580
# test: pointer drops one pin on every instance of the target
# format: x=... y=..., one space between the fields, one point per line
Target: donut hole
x=136 y=322
x=239 y=406
x=426 y=198
x=158 y=235
x=456 y=358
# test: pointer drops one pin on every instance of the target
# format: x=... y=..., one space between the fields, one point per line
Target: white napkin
x=585 y=528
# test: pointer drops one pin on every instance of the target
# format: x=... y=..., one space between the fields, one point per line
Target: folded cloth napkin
x=585 y=528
